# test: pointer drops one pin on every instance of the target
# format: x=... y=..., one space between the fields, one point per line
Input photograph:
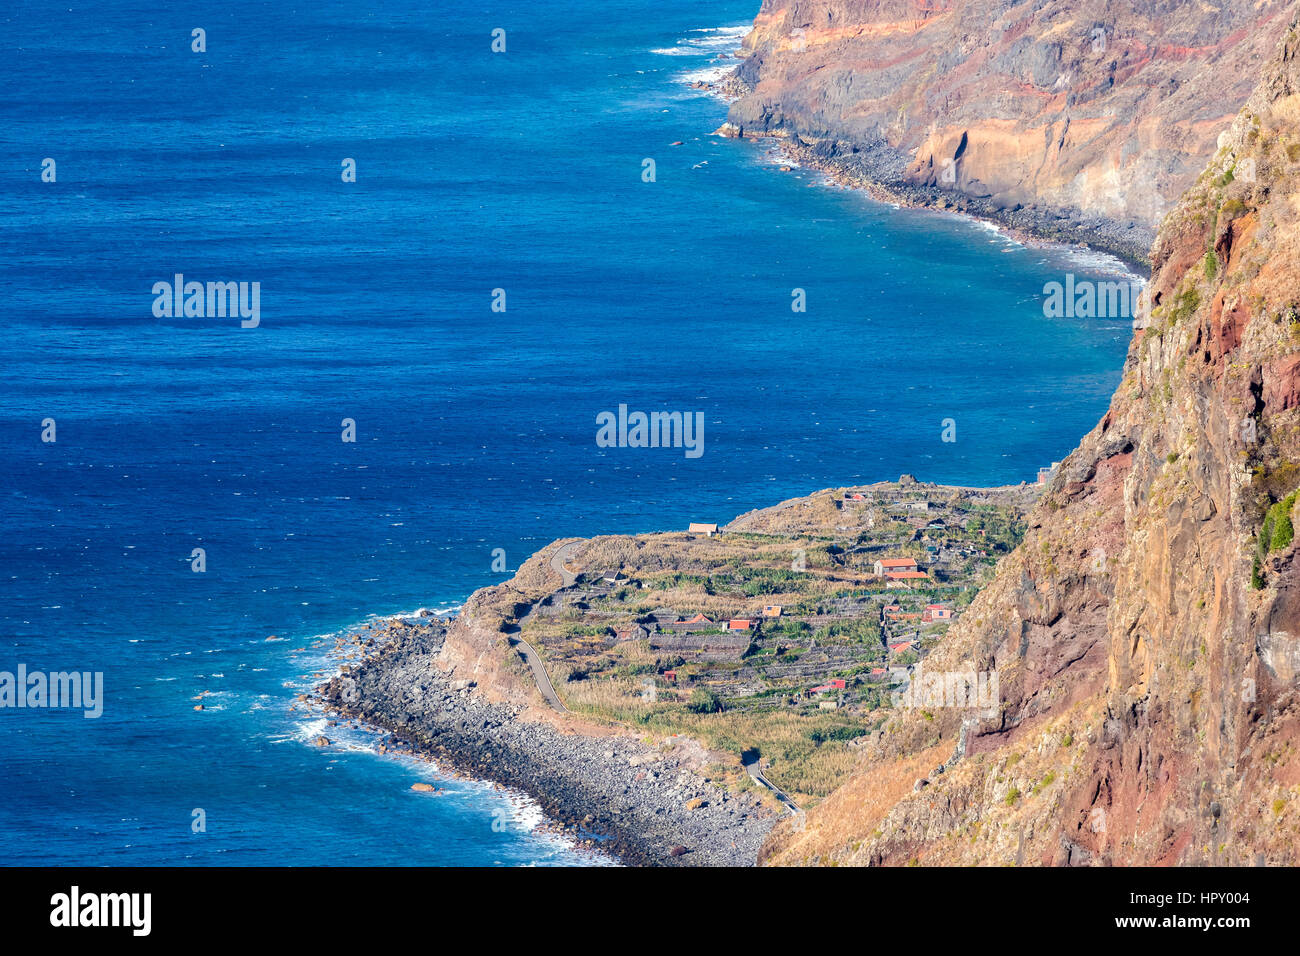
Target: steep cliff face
x=1146 y=635
x=1079 y=113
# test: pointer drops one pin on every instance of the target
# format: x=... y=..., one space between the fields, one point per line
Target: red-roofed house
x=740 y=624
x=939 y=612
x=899 y=648
x=885 y=565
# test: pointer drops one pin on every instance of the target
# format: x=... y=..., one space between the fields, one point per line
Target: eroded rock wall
x=1089 y=114
x=1148 y=666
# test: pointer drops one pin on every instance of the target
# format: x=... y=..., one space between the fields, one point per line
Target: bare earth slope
x=1084 y=119
x=1146 y=634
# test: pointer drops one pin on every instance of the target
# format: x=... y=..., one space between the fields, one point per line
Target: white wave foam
x=1102 y=262
x=709 y=74
x=311 y=729
x=738 y=31
x=708 y=41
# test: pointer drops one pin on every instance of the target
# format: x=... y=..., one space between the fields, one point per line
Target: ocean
x=502 y=270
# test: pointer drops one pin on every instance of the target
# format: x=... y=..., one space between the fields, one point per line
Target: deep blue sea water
x=476 y=429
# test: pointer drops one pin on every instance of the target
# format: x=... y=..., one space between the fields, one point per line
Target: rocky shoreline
x=880 y=170
x=644 y=805
x=877 y=169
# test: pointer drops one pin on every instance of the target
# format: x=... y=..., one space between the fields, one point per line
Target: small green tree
x=704 y=701
x=1283 y=532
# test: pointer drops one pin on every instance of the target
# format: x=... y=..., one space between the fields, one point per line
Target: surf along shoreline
x=602 y=789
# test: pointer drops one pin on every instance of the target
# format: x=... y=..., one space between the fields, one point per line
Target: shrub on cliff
x=1278 y=529
x=1283 y=532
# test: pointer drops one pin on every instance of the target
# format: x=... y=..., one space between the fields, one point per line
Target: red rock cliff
x=1146 y=635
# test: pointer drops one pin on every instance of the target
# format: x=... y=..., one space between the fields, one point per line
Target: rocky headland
x=615 y=752
x=645 y=805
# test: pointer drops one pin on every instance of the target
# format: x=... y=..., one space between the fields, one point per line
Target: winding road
x=751 y=761
x=526 y=650
x=561 y=555
x=529 y=654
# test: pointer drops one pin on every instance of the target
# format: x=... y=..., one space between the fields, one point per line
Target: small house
x=691 y=625
x=886 y=565
x=704 y=528
x=740 y=624
x=772 y=610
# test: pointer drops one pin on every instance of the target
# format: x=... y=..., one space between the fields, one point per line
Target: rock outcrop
x=1146 y=634
x=1073 y=118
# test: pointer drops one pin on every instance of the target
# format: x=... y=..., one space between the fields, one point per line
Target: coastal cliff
x=1146 y=634
x=1081 y=120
